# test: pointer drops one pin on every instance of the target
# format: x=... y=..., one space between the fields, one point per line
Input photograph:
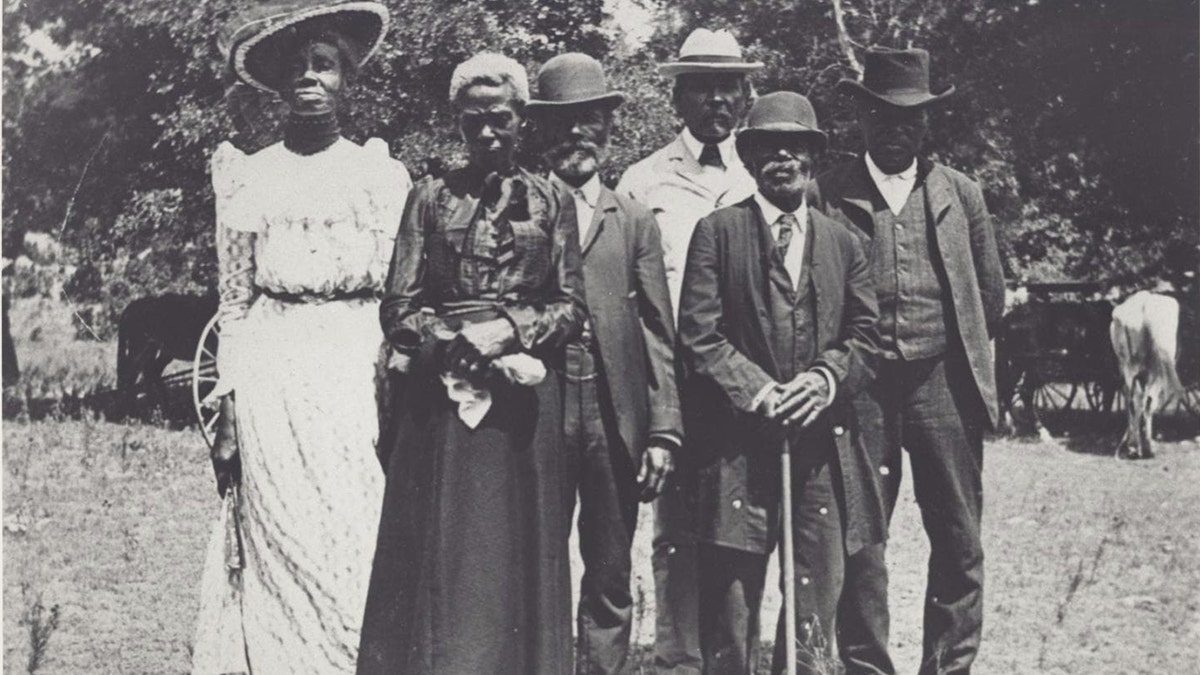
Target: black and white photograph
x=601 y=337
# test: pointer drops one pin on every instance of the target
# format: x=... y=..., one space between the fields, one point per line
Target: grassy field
x=1092 y=563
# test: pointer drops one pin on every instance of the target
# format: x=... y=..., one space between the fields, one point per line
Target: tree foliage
x=1080 y=117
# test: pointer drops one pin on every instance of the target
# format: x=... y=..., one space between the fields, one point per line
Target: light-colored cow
x=1144 y=332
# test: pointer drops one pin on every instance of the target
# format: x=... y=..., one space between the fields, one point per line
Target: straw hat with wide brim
x=707 y=51
x=782 y=113
x=573 y=79
x=254 y=43
x=898 y=77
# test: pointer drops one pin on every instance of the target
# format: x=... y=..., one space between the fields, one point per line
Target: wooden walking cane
x=789 y=562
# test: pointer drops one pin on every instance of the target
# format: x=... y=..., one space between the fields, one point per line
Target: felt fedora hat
x=782 y=113
x=257 y=35
x=899 y=77
x=572 y=79
x=707 y=51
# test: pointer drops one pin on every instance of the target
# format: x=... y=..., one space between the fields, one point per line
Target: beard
x=576 y=158
x=783 y=180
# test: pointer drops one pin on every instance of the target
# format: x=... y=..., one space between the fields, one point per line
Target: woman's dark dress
x=471 y=569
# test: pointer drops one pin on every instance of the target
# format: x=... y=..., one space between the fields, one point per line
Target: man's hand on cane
x=802 y=399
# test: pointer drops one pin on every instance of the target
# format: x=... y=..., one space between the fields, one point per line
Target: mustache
x=571 y=147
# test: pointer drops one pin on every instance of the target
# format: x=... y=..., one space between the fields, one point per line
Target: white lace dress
x=303 y=244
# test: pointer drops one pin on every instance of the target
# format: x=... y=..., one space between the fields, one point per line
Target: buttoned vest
x=908 y=286
x=793 y=313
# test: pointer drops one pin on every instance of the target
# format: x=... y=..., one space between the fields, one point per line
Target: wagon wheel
x=1055 y=396
x=1099 y=394
x=1189 y=400
x=204 y=378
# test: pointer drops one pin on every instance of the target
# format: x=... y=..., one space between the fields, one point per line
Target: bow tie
x=711 y=156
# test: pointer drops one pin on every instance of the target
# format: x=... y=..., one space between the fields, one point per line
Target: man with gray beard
x=622 y=409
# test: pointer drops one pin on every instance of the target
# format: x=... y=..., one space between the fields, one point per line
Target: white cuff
x=829 y=379
x=761 y=396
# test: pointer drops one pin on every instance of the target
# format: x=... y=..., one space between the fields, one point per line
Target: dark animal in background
x=1155 y=339
x=153 y=332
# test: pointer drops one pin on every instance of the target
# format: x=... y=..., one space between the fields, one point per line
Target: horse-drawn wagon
x=1053 y=351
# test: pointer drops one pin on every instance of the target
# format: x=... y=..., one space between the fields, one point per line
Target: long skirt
x=471 y=570
x=310 y=493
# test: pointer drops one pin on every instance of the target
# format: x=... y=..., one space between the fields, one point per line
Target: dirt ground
x=1092 y=563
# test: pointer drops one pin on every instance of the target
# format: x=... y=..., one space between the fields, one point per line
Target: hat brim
x=611 y=100
x=684 y=67
x=747 y=136
x=371 y=16
x=916 y=99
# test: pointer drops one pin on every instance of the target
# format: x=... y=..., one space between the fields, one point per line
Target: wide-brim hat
x=254 y=42
x=899 y=77
x=782 y=113
x=707 y=51
x=572 y=79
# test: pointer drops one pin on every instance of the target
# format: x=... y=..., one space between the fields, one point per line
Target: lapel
x=824 y=249
x=760 y=247
x=859 y=191
x=606 y=207
x=939 y=198
x=681 y=163
x=776 y=271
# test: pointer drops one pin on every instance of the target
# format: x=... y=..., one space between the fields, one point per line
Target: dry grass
x=106 y=522
x=1093 y=564
x=53 y=363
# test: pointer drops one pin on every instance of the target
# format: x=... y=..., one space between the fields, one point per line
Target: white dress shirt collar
x=586 y=197
x=590 y=191
x=896 y=187
x=793 y=261
x=771 y=213
x=726 y=148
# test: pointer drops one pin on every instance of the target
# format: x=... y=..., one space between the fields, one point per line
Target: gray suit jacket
x=632 y=319
x=966 y=247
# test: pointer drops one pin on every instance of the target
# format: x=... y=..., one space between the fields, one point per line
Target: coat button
x=804 y=581
x=883 y=471
x=839 y=430
x=737 y=503
x=823 y=511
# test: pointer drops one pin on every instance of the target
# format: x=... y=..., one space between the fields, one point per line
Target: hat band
x=897 y=90
x=710 y=58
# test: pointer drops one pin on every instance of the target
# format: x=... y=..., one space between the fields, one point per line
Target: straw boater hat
x=782 y=113
x=899 y=77
x=572 y=79
x=257 y=35
x=706 y=51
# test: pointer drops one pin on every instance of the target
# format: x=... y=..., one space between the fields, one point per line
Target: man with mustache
x=622 y=409
x=777 y=329
x=941 y=293
x=681 y=183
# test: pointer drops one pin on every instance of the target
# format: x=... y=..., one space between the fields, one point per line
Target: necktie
x=583 y=211
x=787 y=226
x=711 y=156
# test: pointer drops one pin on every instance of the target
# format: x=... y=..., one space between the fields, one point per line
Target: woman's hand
x=490 y=338
x=472 y=349
x=225 y=454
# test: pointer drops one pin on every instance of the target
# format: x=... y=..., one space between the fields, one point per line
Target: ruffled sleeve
x=390 y=192
x=235 y=238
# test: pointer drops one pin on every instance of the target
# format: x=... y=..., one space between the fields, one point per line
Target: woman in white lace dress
x=305 y=230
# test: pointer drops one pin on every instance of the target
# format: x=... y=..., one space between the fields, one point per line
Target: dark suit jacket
x=966 y=247
x=724 y=329
x=632 y=319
